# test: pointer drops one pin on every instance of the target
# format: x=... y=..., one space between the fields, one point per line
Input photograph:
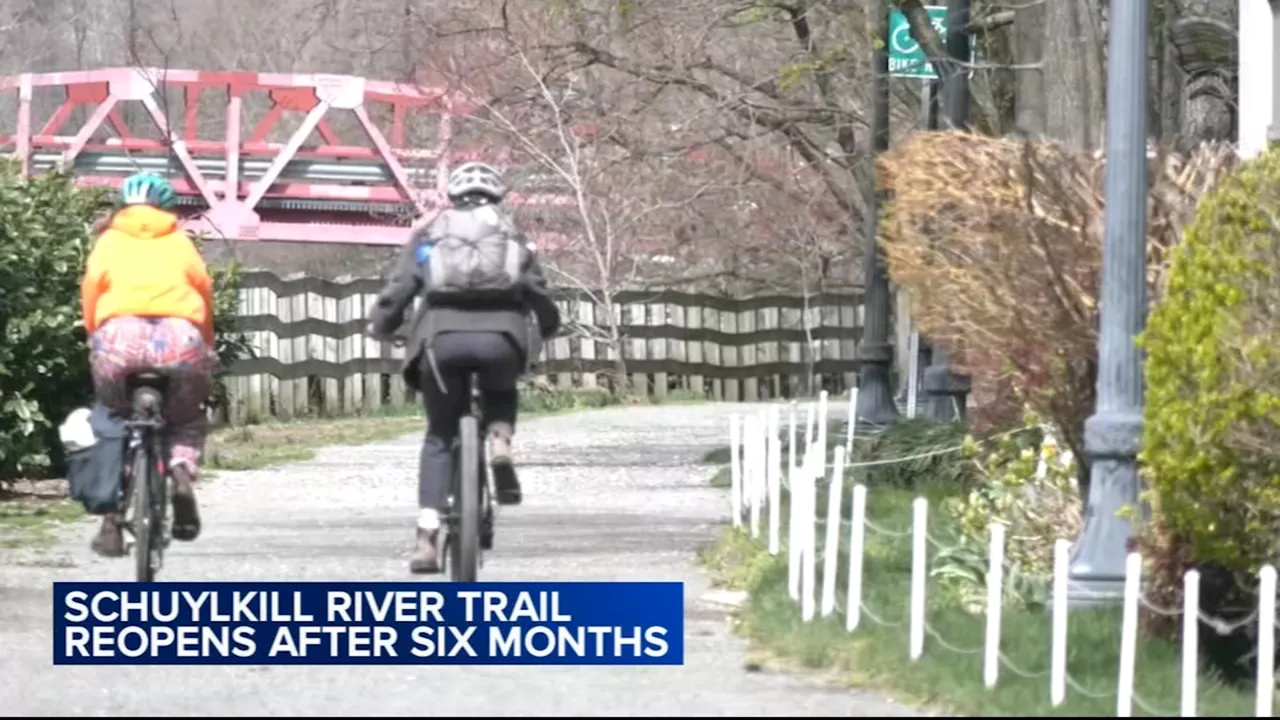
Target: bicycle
x=145 y=502
x=469 y=517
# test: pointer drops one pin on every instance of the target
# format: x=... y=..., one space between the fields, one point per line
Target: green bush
x=44 y=363
x=1028 y=483
x=913 y=446
x=1211 y=441
x=1213 y=377
x=230 y=342
x=534 y=398
x=45 y=235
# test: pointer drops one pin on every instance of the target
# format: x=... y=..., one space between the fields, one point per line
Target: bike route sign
x=906 y=58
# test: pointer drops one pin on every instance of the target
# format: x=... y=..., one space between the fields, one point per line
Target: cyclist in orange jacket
x=147 y=300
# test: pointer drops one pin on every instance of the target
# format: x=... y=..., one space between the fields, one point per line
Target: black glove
x=373 y=332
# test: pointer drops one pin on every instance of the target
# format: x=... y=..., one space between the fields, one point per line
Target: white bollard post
x=852 y=424
x=831 y=545
x=763 y=440
x=791 y=440
x=808 y=425
x=755 y=487
x=995 y=604
x=1058 y=652
x=774 y=479
x=1129 y=635
x=1266 y=641
x=919 y=560
x=913 y=373
x=735 y=468
x=809 y=520
x=1190 y=641
x=823 y=413
x=791 y=467
x=857 y=534
x=795 y=496
x=750 y=466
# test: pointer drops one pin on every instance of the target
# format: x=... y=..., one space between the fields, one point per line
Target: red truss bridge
x=293 y=173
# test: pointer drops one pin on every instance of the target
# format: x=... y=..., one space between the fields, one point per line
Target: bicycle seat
x=149 y=379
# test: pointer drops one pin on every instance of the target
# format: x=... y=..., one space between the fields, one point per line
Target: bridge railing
x=312 y=356
x=363 y=157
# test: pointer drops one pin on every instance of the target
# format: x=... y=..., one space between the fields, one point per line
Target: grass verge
x=251 y=447
x=31 y=522
x=876 y=656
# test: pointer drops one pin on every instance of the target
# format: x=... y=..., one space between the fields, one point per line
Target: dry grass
x=999 y=243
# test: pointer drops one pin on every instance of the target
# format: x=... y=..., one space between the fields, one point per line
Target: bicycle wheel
x=160 y=499
x=144 y=521
x=464 y=549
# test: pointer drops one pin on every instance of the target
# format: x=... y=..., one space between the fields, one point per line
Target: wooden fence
x=312 y=356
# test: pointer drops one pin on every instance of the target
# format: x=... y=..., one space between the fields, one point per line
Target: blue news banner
x=406 y=623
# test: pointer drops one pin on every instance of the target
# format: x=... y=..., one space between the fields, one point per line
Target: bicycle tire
x=160 y=499
x=143 y=511
x=465 y=549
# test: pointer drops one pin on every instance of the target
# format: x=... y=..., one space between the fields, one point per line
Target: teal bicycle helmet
x=147 y=188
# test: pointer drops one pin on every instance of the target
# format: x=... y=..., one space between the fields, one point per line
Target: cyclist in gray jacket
x=480 y=279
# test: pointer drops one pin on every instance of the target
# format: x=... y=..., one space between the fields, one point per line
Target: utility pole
x=875 y=396
x=1273 y=128
x=1256 y=79
x=1113 y=433
x=960 y=49
x=947 y=390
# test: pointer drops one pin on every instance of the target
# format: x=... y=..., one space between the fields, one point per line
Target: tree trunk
x=622 y=383
x=1074 y=62
x=133 y=47
x=408 y=53
x=1029 y=56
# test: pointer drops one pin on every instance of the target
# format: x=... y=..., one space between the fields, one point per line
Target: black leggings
x=498 y=362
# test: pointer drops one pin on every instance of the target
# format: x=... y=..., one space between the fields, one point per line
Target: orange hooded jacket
x=144 y=265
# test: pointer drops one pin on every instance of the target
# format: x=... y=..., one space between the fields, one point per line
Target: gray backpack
x=474 y=253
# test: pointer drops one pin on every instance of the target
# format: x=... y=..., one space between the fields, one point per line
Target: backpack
x=472 y=254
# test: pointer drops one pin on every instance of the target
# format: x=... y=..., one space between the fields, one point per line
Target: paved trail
x=615 y=494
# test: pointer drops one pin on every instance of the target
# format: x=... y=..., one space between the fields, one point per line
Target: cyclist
x=147 y=300
x=479 y=278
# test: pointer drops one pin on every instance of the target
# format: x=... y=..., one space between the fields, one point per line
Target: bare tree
x=617 y=201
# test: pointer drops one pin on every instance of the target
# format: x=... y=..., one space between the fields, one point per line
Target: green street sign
x=906 y=58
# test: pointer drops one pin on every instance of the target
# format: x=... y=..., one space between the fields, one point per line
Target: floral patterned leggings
x=127 y=345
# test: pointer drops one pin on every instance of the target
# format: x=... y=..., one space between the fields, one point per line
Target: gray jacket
x=514 y=319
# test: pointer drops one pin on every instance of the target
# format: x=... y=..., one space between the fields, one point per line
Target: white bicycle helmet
x=476 y=177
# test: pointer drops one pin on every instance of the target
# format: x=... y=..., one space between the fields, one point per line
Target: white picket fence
x=757 y=483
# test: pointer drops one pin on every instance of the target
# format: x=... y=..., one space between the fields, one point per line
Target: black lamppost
x=946 y=389
x=1113 y=433
x=875 y=395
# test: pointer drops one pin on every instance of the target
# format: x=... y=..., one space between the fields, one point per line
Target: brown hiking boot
x=186 y=514
x=109 y=542
x=504 y=471
x=425 y=559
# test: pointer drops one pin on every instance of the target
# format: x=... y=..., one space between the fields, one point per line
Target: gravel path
x=614 y=494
